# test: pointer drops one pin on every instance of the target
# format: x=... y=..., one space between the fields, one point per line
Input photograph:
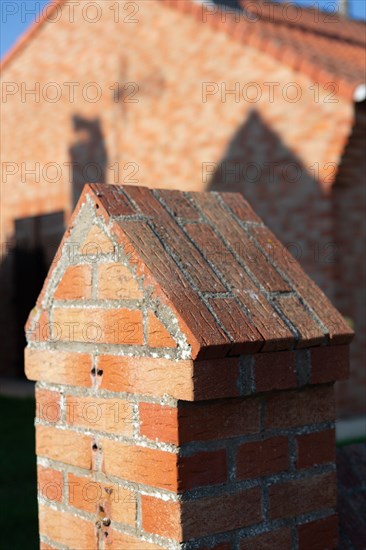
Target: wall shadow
x=325 y=231
x=258 y=164
x=23 y=270
x=88 y=155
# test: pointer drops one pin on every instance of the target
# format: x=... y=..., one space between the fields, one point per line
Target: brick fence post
x=185 y=367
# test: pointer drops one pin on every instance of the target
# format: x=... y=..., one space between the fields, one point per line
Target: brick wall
x=349 y=206
x=286 y=164
x=167 y=417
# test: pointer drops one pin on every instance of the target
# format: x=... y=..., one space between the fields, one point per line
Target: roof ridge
x=312 y=27
x=351 y=86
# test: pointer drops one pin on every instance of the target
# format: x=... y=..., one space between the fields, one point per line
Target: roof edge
x=24 y=39
x=287 y=56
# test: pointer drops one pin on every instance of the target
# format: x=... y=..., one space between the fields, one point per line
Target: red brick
x=159 y=422
x=64 y=446
x=116 y=282
x=140 y=464
x=119 y=504
x=240 y=207
x=262 y=315
x=75 y=284
x=147 y=376
x=180 y=206
x=185 y=379
x=274 y=371
x=162 y=517
x=199 y=421
x=96 y=243
x=200 y=272
x=245 y=337
x=329 y=363
x=38 y=326
x=122 y=541
x=294 y=498
x=240 y=242
x=158 y=336
x=196 y=321
x=50 y=484
x=48 y=405
x=319 y=535
x=105 y=415
x=113 y=199
x=97 y=325
x=316 y=448
x=215 y=378
x=310 y=332
x=64 y=528
x=219 y=419
x=299 y=407
x=184 y=520
x=262 y=458
x=338 y=329
x=45 y=546
x=204 y=468
x=280 y=539
x=58 y=367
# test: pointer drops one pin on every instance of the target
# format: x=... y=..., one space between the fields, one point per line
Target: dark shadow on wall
x=234 y=4
x=23 y=271
x=349 y=203
x=324 y=231
x=88 y=155
x=258 y=164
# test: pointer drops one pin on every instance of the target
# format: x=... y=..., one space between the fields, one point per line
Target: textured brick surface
x=58 y=367
x=302 y=496
x=298 y=408
x=140 y=464
x=96 y=243
x=319 y=534
x=351 y=461
x=158 y=336
x=119 y=326
x=329 y=364
x=116 y=282
x=275 y=539
x=203 y=516
x=66 y=529
x=50 y=484
x=262 y=458
x=75 y=284
x=275 y=371
x=64 y=446
x=85 y=494
x=316 y=448
x=48 y=405
x=104 y=415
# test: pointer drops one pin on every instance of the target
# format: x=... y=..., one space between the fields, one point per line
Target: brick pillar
x=153 y=434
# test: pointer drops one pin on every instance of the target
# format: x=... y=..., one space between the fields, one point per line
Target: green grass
x=18 y=489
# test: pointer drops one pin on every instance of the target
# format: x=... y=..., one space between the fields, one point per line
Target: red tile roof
x=233 y=284
x=328 y=48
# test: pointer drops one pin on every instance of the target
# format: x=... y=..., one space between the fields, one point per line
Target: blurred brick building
x=261 y=98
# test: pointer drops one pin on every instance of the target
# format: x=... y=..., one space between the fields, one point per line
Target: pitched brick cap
x=235 y=288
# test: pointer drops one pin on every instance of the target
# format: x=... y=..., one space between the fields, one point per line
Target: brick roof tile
x=208 y=253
